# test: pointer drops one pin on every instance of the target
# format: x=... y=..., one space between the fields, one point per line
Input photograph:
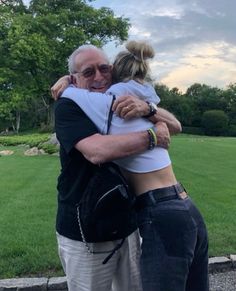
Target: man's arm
x=171 y=121
x=103 y=148
x=75 y=129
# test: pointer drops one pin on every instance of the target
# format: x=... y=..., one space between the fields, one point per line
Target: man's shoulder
x=66 y=104
x=63 y=100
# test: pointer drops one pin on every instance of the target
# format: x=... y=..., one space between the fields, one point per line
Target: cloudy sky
x=194 y=40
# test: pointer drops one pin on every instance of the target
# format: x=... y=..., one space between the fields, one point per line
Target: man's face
x=94 y=72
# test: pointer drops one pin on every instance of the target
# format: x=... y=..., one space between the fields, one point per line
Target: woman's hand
x=60 y=86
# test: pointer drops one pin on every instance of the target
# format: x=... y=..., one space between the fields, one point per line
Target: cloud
x=206 y=68
x=194 y=41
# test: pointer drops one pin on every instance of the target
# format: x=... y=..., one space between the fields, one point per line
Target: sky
x=194 y=40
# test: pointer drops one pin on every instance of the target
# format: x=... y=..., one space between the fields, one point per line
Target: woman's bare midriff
x=143 y=182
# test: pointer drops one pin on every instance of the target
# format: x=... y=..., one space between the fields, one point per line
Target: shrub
x=232 y=130
x=29 y=139
x=193 y=130
x=215 y=122
x=49 y=148
x=41 y=141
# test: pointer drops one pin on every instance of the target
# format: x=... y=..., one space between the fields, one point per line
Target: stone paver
x=222 y=278
x=225 y=281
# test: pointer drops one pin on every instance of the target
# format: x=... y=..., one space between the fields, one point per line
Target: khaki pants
x=85 y=271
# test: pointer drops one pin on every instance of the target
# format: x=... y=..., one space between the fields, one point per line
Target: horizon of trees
x=203 y=108
x=35 y=42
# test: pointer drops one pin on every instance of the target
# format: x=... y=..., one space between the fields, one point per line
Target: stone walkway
x=222 y=278
x=225 y=281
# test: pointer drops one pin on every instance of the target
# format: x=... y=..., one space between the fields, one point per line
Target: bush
x=41 y=141
x=215 y=122
x=193 y=130
x=30 y=139
x=49 y=148
x=232 y=130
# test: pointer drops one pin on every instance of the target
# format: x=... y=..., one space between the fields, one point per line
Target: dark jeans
x=174 y=246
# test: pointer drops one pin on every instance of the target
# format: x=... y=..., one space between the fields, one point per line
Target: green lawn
x=206 y=166
x=27 y=220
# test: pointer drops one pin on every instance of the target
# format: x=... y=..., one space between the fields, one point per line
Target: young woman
x=174 y=236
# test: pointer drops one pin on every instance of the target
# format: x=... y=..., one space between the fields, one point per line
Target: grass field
x=206 y=166
x=28 y=207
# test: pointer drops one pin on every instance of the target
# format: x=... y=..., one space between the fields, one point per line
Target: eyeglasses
x=90 y=72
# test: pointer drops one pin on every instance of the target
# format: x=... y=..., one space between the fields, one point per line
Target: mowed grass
x=206 y=166
x=27 y=214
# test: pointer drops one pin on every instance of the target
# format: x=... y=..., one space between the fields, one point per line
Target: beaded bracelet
x=153 y=131
x=152 y=138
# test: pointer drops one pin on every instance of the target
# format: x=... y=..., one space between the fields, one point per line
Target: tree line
x=35 y=42
x=202 y=109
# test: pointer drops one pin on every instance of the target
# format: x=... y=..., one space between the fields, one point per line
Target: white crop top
x=97 y=106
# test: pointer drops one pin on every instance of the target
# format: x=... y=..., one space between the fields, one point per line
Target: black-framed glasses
x=90 y=72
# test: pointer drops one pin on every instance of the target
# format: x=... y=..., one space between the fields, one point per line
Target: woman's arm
x=127 y=107
x=60 y=86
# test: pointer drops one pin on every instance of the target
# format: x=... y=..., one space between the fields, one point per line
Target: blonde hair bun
x=140 y=49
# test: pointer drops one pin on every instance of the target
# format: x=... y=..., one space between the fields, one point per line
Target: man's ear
x=76 y=80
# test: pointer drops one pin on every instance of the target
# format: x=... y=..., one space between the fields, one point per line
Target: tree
x=35 y=42
x=174 y=101
x=202 y=98
x=229 y=97
x=215 y=122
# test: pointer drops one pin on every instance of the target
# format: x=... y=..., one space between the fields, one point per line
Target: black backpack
x=106 y=209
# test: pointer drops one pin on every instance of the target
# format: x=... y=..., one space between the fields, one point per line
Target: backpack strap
x=116 y=248
x=110 y=114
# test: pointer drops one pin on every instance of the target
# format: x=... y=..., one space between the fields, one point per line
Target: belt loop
x=176 y=187
x=183 y=187
x=150 y=194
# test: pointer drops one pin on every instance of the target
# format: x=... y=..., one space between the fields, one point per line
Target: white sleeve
x=119 y=89
x=143 y=91
x=95 y=105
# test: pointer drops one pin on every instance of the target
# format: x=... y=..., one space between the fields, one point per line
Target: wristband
x=152 y=109
x=153 y=131
x=152 y=138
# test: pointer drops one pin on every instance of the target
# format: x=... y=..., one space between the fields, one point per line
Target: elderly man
x=82 y=148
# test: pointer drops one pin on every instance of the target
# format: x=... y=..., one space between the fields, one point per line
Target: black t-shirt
x=71 y=125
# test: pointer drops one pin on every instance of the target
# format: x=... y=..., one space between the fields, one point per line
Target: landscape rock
x=6 y=153
x=34 y=152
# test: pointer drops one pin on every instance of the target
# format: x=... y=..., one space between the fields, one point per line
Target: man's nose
x=98 y=75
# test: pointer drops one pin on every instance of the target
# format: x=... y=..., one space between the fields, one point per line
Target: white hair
x=82 y=48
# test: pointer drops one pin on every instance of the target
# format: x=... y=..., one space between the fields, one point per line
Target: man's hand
x=163 y=135
x=60 y=86
x=128 y=107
